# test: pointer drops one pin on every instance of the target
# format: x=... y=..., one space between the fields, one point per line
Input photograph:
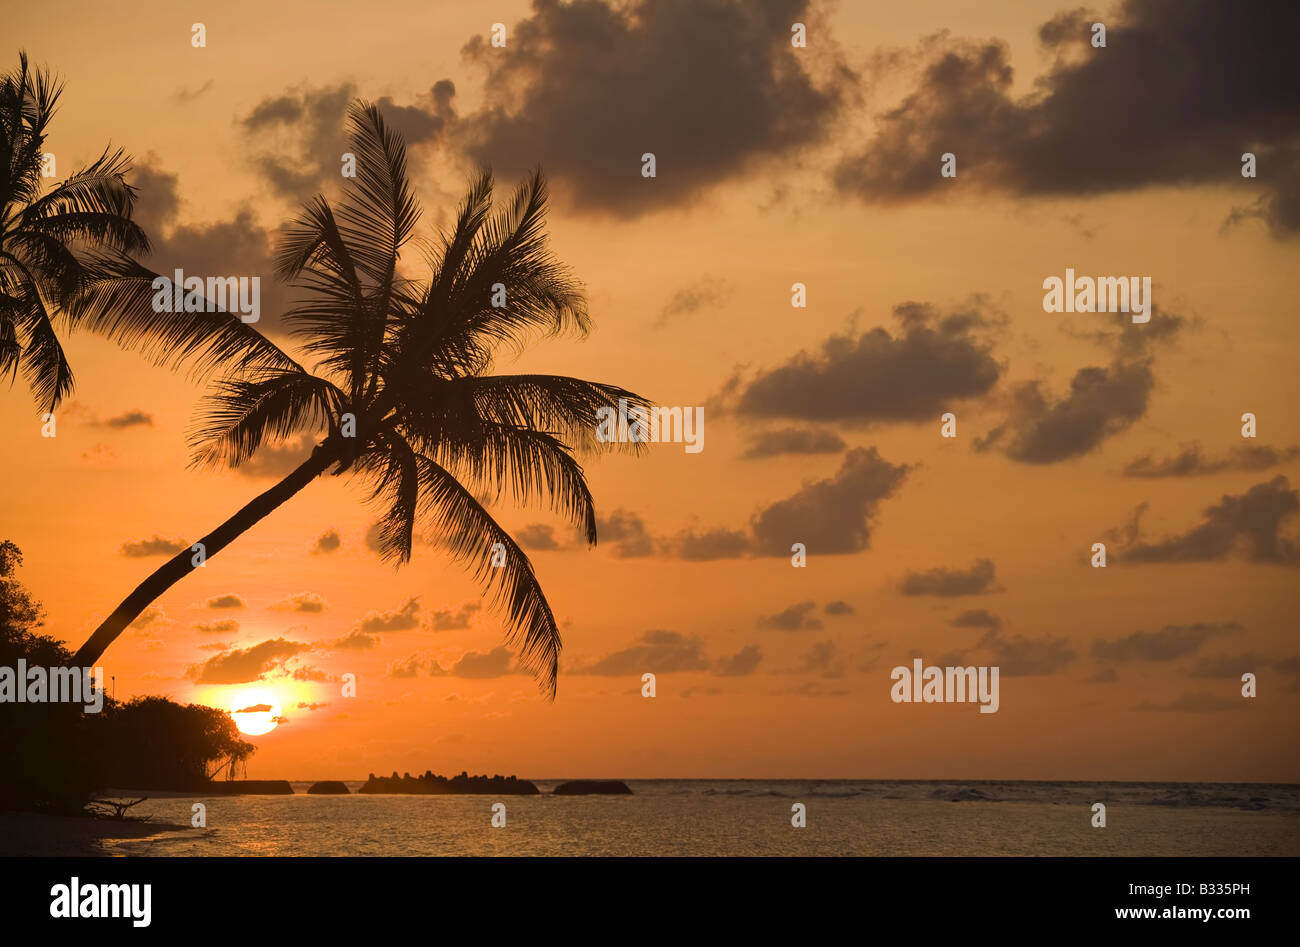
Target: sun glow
x=255 y=710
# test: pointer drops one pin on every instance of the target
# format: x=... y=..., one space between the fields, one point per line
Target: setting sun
x=255 y=711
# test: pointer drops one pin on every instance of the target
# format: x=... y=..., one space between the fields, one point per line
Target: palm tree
x=401 y=392
x=40 y=235
x=66 y=259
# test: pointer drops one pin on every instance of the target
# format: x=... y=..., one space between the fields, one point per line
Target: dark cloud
x=657 y=652
x=409 y=666
x=838 y=608
x=797 y=617
x=1167 y=644
x=276 y=460
x=328 y=541
x=834 y=515
x=1221 y=666
x=246 y=664
x=537 y=536
x=742 y=663
x=446 y=619
x=933 y=361
x=1101 y=402
x=977 y=618
x=1249 y=523
x=628 y=533
x=223 y=627
x=226 y=601
x=355 y=641
x=136 y=418
x=236 y=246
x=401 y=619
x=301 y=602
x=1019 y=656
x=979 y=579
x=155 y=545
x=1062 y=137
x=480 y=666
x=298 y=139
x=710 y=544
x=1191 y=462
x=794 y=440
x=708 y=86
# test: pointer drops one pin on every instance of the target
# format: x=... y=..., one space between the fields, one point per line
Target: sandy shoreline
x=30 y=834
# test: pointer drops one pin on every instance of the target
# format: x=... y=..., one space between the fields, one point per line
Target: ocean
x=748 y=817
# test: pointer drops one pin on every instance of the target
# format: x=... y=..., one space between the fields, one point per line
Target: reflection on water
x=748 y=817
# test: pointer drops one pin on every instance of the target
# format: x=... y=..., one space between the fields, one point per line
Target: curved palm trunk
x=182 y=565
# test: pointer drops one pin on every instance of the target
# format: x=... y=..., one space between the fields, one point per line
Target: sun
x=255 y=711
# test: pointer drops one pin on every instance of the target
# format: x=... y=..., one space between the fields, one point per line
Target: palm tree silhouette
x=404 y=362
x=41 y=235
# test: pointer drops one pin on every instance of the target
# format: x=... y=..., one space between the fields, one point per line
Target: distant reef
x=433 y=785
x=328 y=787
x=593 y=787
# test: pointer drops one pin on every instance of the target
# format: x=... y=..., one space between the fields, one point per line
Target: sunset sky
x=775 y=165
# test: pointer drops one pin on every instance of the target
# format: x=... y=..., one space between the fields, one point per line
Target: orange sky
x=817 y=703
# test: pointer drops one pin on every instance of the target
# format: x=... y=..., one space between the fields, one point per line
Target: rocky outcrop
x=328 y=787
x=432 y=785
x=593 y=787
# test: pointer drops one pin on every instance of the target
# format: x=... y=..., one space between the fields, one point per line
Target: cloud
x=838 y=608
x=225 y=626
x=1191 y=462
x=135 y=418
x=933 y=361
x=447 y=620
x=710 y=87
x=152 y=618
x=1249 y=523
x=824 y=659
x=276 y=460
x=402 y=619
x=720 y=543
x=1232 y=666
x=1020 y=656
x=979 y=579
x=327 y=542
x=409 y=666
x=537 y=536
x=1167 y=644
x=977 y=618
x=302 y=602
x=794 y=440
x=355 y=641
x=155 y=545
x=742 y=663
x=657 y=651
x=797 y=617
x=1060 y=137
x=834 y=515
x=226 y=601
x=1100 y=403
x=707 y=293
x=247 y=664
x=628 y=532
x=479 y=666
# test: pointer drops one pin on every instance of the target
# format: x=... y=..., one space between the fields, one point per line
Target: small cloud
x=979 y=579
x=327 y=542
x=246 y=664
x=355 y=641
x=794 y=440
x=136 y=418
x=301 y=602
x=448 y=620
x=226 y=601
x=225 y=626
x=797 y=617
x=742 y=663
x=977 y=618
x=155 y=545
x=537 y=536
x=402 y=619
x=838 y=608
x=151 y=619
x=706 y=293
x=1167 y=644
